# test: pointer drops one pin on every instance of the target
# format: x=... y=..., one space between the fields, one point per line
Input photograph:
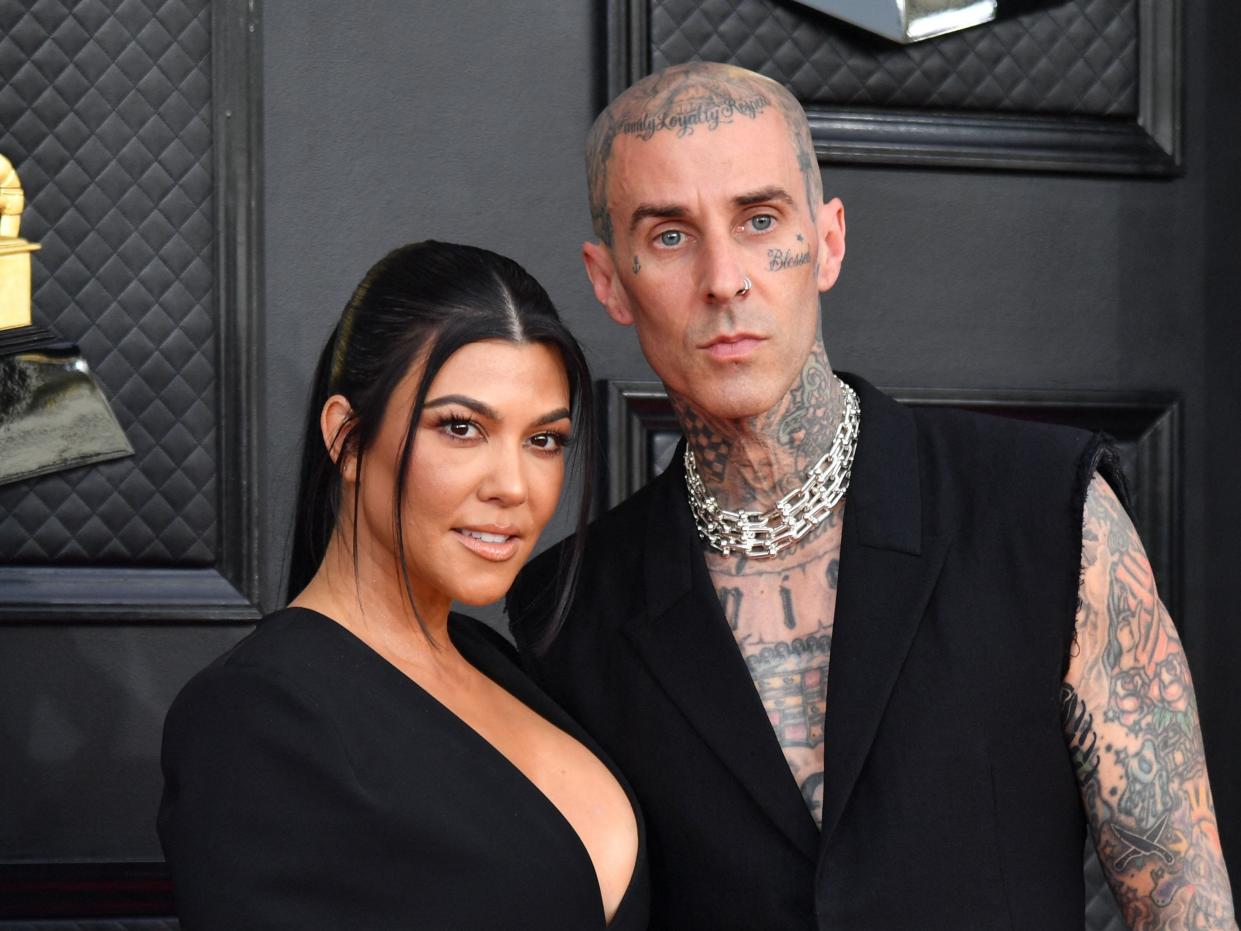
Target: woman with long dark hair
x=365 y=759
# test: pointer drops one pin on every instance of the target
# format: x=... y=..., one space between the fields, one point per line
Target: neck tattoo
x=761 y=535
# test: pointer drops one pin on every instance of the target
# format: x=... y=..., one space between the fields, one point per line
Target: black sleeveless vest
x=949 y=798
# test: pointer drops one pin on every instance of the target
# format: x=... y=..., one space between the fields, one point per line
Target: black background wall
x=388 y=121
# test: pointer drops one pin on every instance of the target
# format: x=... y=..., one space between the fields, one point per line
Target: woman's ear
x=335 y=422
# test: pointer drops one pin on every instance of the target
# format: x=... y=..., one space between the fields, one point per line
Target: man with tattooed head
x=867 y=667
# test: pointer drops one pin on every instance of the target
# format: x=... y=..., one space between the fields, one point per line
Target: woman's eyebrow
x=560 y=413
x=476 y=406
x=485 y=410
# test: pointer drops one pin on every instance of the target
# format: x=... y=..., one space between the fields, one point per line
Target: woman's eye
x=548 y=442
x=461 y=429
x=762 y=223
x=671 y=238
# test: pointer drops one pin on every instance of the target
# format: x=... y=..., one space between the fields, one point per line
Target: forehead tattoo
x=683 y=100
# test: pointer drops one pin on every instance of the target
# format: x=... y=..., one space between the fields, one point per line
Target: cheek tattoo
x=780 y=259
x=637 y=266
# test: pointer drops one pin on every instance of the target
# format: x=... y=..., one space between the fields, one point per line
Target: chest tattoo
x=791 y=679
x=781 y=612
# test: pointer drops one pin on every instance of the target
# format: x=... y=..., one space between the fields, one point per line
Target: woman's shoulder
x=289 y=653
x=287 y=639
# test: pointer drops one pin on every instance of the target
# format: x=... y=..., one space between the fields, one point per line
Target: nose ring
x=746 y=285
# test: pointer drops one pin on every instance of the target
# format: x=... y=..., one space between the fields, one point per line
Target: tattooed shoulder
x=1131 y=727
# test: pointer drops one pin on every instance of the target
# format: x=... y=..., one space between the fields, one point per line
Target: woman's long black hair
x=418 y=305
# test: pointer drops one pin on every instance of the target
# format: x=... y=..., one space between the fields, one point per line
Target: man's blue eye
x=670 y=238
x=762 y=222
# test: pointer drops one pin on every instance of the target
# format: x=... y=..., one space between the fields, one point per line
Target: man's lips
x=492 y=543
x=733 y=346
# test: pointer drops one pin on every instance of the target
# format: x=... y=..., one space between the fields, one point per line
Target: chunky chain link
x=796 y=514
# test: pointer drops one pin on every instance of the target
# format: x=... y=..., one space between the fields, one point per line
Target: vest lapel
x=888 y=568
x=685 y=642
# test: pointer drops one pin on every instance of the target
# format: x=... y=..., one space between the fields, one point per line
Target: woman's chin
x=477 y=596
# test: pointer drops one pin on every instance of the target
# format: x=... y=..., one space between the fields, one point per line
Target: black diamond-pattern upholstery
x=105 y=113
x=1079 y=58
x=94 y=924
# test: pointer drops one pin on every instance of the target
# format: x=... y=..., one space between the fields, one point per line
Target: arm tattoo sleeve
x=1131 y=725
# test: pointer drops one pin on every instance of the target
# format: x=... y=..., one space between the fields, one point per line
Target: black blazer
x=949 y=800
x=309 y=784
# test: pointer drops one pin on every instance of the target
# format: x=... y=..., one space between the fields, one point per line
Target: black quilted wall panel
x=1078 y=58
x=105 y=113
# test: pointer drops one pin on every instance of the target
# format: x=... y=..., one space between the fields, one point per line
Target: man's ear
x=601 y=270
x=830 y=224
x=335 y=422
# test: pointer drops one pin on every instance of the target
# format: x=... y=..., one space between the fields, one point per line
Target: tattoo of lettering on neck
x=730 y=601
x=786 y=605
x=779 y=260
x=637 y=266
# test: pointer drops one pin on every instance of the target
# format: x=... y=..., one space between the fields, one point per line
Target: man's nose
x=724 y=277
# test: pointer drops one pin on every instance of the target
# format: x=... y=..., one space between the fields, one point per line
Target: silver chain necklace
x=796 y=514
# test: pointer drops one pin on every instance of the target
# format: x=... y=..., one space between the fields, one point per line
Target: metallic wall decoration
x=907 y=21
x=140 y=124
x=1080 y=86
x=136 y=127
x=52 y=414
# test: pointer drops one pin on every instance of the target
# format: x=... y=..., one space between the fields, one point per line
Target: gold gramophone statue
x=52 y=414
x=14 y=252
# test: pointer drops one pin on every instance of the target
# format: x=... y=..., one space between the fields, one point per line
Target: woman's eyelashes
x=552 y=442
x=463 y=428
x=459 y=426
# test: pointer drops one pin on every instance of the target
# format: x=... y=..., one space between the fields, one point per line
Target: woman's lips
x=733 y=348
x=496 y=547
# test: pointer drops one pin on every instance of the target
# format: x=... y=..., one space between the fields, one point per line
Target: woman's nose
x=505 y=479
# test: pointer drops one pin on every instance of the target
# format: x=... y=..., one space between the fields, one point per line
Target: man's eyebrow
x=764 y=195
x=659 y=211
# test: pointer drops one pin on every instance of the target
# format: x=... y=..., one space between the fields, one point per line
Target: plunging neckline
x=541 y=706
